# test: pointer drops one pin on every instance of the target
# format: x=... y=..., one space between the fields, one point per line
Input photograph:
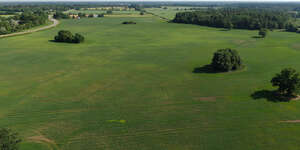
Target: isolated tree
x=288 y=82
x=226 y=60
x=109 y=12
x=291 y=28
x=9 y=140
x=228 y=25
x=263 y=32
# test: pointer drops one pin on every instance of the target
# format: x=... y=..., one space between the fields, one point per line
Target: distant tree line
x=239 y=18
x=21 y=22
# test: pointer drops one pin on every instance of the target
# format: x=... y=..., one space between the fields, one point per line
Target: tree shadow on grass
x=257 y=37
x=224 y=30
x=272 y=96
x=52 y=41
x=205 y=69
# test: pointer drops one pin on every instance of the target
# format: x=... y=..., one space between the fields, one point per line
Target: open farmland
x=133 y=87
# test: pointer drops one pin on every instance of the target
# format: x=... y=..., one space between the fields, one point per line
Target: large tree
x=226 y=60
x=288 y=82
x=9 y=140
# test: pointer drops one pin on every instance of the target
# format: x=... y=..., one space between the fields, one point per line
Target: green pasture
x=122 y=12
x=132 y=87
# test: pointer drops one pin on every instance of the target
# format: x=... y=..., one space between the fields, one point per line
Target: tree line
x=240 y=18
x=21 y=22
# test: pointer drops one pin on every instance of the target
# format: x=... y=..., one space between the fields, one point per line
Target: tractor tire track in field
x=55 y=23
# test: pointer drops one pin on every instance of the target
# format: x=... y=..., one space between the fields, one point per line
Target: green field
x=132 y=87
x=169 y=12
x=124 y=12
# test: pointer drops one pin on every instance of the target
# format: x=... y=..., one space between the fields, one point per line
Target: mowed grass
x=132 y=87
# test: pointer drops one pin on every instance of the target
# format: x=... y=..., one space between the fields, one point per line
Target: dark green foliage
x=240 y=18
x=291 y=28
x=21 y=22
x=81 y=15
x=288 y=81
x=109 y=12
x=60 y=15
x=263 y=33
x=78 y=38
x=100 y=15
x=129 y=22
x=64 y=36
x=68 y=37
x=142 y=13
x=91 y=15
x=226 y=60
x=228 y=25
x=9 y=140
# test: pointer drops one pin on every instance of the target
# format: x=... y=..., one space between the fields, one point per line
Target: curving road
x=55 y=23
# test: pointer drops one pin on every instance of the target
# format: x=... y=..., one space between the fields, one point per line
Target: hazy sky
x=162 y=0
x=156 y=0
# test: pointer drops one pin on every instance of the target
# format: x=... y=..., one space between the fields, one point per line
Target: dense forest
x=22 y=21
x=240 y=18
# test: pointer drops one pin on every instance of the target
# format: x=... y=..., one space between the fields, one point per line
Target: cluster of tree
x=68 y=37
x=129 y=22
x=9 y=140
x=236 y=18
x=23 y=21
x=225 y=60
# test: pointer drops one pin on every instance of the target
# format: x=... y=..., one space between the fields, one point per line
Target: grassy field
x=168 y=12
x=132 y=87
x=124 y=12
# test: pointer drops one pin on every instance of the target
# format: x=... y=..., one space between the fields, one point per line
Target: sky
x=154 y=0
x=161 y=0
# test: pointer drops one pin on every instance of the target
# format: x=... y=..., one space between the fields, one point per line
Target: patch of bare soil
x=43 y=140
x=296 y=98
x=290 y=121
x=207 y=99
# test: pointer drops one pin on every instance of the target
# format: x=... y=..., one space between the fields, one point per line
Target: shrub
x=226 y=60
x=129 y=22
x=288 y=82
x=9 y=140
x=263 y=32
x=78 y=38
x=291 y=28
x=68 y=37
